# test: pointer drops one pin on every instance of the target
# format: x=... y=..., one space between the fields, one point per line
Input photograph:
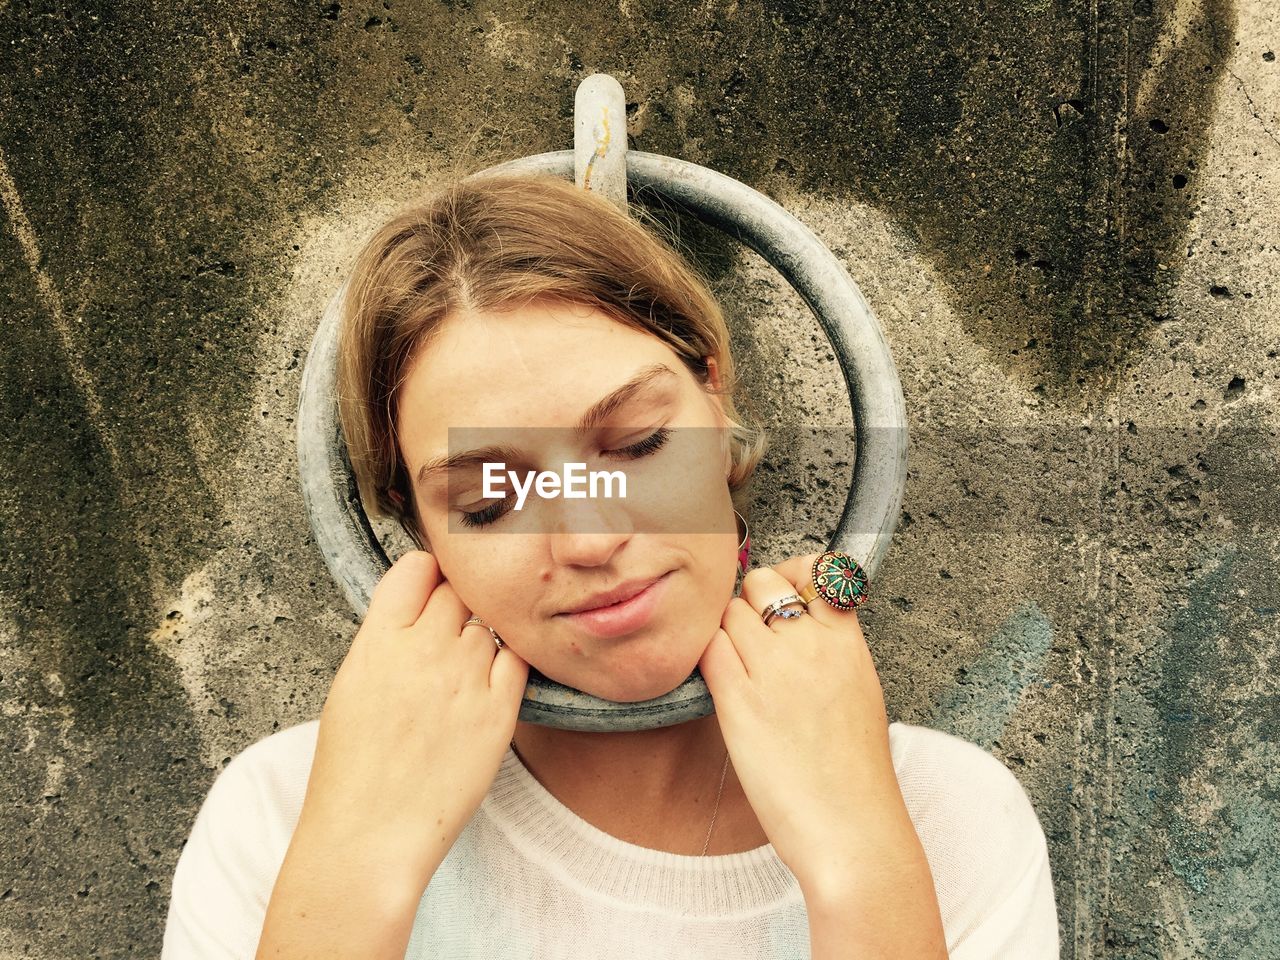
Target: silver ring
x=480 y=623
x=776 y=609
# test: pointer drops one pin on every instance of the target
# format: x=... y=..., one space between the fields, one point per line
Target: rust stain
x=602 y=146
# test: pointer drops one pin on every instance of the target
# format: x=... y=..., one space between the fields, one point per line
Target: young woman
x=418 y=818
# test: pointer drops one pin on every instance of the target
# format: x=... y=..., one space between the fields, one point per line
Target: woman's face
x=525 y=380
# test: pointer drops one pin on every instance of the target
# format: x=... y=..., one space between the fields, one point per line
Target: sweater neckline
x=607 y=867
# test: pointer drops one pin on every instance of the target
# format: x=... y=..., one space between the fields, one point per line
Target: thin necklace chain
x=714 y=811
x=717 y=806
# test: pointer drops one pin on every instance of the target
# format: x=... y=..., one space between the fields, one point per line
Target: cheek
x=682 y=488
x=719 y=560
x=493 y=576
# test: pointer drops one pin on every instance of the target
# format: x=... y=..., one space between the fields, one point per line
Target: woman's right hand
x=416 y=722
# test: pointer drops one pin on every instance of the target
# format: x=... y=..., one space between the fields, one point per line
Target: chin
x=638 y=687
x=633 y=694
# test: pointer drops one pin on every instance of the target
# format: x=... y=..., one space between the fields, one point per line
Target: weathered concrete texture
x=1065 y=215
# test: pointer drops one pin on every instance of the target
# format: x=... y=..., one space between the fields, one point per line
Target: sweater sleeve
x=1020 y=918
x=989 y=858
x=228 y=867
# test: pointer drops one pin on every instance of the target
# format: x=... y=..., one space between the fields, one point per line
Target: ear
x=713 y=374
x=713 y=395
x=713 y=371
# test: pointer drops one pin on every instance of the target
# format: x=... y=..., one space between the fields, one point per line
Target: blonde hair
x=493 y=243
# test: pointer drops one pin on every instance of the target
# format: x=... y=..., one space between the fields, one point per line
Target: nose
x=588 y=532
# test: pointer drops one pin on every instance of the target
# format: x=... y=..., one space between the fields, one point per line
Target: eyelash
x=644 y=448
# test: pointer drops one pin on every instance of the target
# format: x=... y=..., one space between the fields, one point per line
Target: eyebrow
x=644 y=381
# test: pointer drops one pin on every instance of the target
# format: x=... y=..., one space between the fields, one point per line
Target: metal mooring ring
x=357 y=561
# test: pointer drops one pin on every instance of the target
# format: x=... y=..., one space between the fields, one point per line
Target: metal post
x=600 y=138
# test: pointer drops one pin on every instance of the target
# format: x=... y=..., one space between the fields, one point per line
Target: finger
x=799 y=571
x=721 y=666
x=748 y=633
x=401 y=594
x=764 y=585
x=509 y=676
x=444 y=612
x=481 y=637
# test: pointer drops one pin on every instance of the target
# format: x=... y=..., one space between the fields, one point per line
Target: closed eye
x=650 y=444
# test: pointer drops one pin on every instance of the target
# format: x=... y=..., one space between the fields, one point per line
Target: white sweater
x=528 y=878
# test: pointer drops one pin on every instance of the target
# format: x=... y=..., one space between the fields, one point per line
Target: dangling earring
x=744 y=545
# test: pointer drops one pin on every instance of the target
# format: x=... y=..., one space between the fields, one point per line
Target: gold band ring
x=476 y=621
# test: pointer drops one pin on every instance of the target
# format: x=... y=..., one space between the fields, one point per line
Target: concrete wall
x=1065 y=215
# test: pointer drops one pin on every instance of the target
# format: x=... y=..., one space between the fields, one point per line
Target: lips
x=626 y=616
x=624 y=591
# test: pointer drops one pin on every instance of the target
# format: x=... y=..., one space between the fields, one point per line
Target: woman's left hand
x=802 y=712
